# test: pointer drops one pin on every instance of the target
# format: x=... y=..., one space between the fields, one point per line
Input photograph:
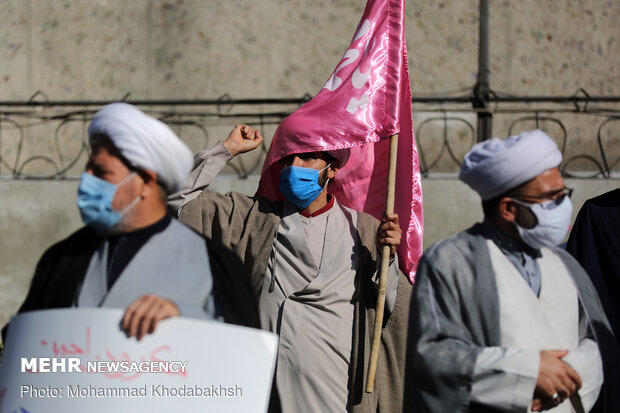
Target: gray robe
x=456 y=308
x=173 y=264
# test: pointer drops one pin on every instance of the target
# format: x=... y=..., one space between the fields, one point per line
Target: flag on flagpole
x=366 y=100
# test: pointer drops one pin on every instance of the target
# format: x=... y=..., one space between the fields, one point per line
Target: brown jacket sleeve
x=246 y=225
x=388 y=395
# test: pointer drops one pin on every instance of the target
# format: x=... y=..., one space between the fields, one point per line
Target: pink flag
x=366 y=100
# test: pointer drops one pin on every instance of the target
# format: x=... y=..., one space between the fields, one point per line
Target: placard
x=76 y=360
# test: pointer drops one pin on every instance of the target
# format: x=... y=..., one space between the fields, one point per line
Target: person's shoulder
x=74 y=248
x=606 y=200
x=597 y=208
x=84 y=239
x=366 y=218
x=185 y=231
x=84 y=233
x=571 y=262
x=366 y=225
x=577 y=272
x=453 y=255
x=466 y=240
x=240 y=201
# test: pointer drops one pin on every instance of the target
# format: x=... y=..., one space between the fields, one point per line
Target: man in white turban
x=501 y=319
x=132 y=254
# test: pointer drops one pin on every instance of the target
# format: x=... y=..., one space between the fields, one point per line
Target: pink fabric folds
x=366 y=100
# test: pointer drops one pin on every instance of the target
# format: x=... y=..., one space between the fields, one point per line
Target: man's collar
x=147 y=231
x=326 y=208
x=505 y=242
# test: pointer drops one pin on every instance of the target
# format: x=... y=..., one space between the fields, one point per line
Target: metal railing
x=45 y=139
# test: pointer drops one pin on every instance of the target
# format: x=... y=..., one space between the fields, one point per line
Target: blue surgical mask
x=301 y=185
x=94 y=200
x=552 y=226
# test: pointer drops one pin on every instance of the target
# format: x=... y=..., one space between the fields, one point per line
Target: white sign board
x=77 y=360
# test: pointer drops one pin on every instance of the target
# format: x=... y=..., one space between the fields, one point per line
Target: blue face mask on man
x=94 y=200
x=301 y=185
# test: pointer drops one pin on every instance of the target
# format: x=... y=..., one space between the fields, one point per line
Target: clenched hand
x=242 y=139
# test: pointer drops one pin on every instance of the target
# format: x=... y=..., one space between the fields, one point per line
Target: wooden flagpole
x=383 y=275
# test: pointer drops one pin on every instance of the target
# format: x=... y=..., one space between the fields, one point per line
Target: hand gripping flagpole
x=383 y=275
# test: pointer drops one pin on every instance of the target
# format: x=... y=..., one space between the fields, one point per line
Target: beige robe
x=311 y=308
x=248 y=226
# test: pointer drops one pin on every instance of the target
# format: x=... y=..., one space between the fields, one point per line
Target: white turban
x=496 y=166
x=146 y=142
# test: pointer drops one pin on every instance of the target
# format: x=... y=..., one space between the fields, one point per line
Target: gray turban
x=146 y=142
x=496 y=166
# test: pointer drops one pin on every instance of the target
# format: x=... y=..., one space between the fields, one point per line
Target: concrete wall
x=36 y=214
x=84 y=49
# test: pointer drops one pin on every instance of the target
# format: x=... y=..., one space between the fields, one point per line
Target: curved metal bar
x=19 y=127
x=200 y=126
x=83 y=146
x=424 y=167
x=263 y=147
x=608 y=168
x=590 y=158
x=456 y=160
x=586 y=95
x=39 y=93
x=35 y=158
x=538 y=119
x=225 y=98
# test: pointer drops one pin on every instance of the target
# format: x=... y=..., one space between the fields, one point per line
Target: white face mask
x=553 y=223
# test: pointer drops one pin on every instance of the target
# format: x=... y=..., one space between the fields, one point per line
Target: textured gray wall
x=85 y=49
x=34 y=215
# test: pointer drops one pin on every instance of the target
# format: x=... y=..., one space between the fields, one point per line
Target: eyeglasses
x=547 y=200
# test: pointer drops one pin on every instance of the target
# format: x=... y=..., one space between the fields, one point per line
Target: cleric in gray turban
x=496 y=166
x=499 y=307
